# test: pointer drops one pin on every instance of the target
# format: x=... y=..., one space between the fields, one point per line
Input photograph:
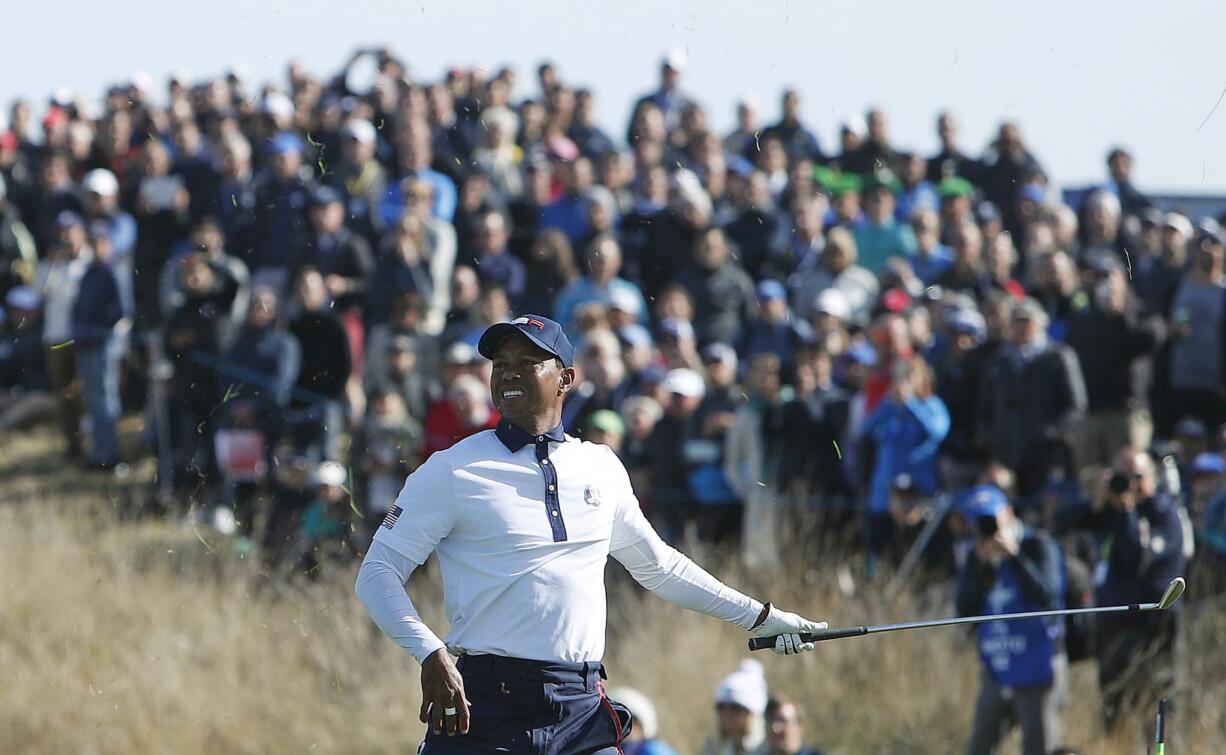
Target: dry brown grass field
x=136 y=634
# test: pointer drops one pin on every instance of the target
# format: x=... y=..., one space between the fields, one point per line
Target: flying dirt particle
x=63 y=345
x=1212 y=110
x=838 y=451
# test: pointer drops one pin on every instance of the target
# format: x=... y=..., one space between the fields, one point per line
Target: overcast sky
x=1078 y=76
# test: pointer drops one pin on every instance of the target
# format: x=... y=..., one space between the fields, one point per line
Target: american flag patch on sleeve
x=389 y=521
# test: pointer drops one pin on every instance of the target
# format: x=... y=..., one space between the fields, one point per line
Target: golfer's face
x=526 y=379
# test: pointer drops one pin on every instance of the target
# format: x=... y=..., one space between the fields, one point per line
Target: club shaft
x=762 y=643
x=1009 y=617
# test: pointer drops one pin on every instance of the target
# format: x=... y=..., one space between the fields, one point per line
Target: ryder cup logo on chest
x=591 y=495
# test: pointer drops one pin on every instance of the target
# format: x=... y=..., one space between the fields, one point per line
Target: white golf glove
x=786 y=628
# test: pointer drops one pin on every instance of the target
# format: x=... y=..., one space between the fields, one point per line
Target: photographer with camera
x=1013 y=568
x=1141 y=547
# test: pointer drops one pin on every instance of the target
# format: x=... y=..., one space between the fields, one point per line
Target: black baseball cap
x=540 y=330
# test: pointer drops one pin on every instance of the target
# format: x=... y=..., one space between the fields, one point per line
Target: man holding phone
x=1013 y=568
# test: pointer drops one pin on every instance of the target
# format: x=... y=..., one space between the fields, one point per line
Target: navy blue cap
x=540 y=330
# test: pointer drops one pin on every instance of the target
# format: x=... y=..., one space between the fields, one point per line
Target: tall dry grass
x=122 y=634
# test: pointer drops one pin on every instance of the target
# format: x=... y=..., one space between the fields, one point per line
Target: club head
x=1173 y=591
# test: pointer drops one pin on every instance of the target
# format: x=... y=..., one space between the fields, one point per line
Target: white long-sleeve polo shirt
x=523 y=527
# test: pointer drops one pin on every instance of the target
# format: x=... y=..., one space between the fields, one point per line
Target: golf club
x=1173 y=591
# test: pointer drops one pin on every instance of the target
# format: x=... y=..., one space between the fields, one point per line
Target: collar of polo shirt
x=515 y=438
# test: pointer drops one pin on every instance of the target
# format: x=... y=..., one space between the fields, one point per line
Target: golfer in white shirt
x=523 y=519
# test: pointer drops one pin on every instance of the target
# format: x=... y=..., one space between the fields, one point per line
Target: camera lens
x=1119 y=483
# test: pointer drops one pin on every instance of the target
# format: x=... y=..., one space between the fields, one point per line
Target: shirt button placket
x=556 y=524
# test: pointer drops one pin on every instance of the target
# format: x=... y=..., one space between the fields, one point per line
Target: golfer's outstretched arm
x=662 y=569
x=380 y=587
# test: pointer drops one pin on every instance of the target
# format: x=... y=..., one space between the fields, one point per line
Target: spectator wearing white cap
x=326 y=527
x=740 y=702
x=101 y=194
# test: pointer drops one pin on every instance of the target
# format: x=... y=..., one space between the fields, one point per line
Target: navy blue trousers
x=534 y=708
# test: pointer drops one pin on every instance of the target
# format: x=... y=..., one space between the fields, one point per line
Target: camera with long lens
x=987 y=526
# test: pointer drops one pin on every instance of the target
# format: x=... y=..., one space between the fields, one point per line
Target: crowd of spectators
x=287 y=281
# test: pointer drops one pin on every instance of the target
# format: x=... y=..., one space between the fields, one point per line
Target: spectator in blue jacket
x=95 y=313
x=931 y=258
x=568 y=213
x=905 y=432
x=413 y=148
x=600 y=282
x=1012 y=569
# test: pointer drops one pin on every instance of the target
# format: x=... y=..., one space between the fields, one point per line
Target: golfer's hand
x=442 y=687
x=786 y=628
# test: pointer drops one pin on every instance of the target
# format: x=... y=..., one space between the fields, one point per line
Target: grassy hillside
x=126 y=633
